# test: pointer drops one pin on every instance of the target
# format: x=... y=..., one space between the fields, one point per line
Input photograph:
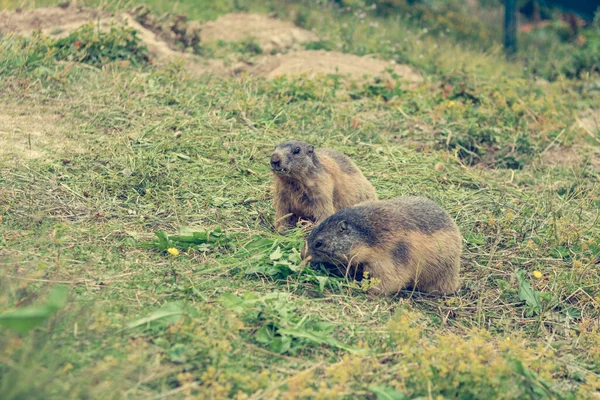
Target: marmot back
x=312 y=183
x=403 y=242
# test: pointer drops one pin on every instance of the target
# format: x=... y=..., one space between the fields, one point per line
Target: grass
x=160 y=150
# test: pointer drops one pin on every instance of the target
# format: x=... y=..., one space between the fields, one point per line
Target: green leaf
x=170 y=312
x=58 y=297
x=573 y=312
x=239 y=304
x=527 y=294
x=232 y=302
x=383 y=392
x=475 y=238
x=294 y=257
x=130 y=242
x=187 y=238
x=177 y=353
x=163 y=240
x=560 y=252
x=276 y=255
x=258 y=243
x=317 y=337
x=324 y=326
x=322 y=282
x=27 y=318
x=204 y=247
x=281 y=344
x=266 y=333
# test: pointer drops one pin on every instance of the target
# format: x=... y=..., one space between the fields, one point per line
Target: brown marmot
x=402 y=242
x=312 y=184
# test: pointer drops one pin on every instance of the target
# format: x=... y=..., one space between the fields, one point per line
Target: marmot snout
x=290 y=161
x=314 y=183
x=403 y=242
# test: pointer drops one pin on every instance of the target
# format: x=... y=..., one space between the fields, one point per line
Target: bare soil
x=313 y=62
x=45 y=19
x=574 y=156
x=589 y=121
x=29 y=134
x=270 y=34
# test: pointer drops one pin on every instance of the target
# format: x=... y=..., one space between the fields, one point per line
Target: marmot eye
x=297 y=150
x=318 y=244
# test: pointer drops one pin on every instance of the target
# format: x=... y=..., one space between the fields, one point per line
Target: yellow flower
x=173 y=251
x=101 y=47
x=537 y=274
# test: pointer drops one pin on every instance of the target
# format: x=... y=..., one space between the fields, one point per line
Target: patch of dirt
x=32 y=133
x=561 y=157
x=571 y=156
x=269 y=33
x=44 y=18
x=313 y=62
x=590 y=121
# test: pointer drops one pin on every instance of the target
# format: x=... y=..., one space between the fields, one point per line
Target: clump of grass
x=86 y=45
x=236 y=314
x=98 y=47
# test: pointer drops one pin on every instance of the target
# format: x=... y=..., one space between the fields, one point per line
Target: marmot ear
x=310 y=149
x=342 y=225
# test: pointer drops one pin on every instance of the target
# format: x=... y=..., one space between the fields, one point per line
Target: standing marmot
x=314 y=183
x=403 y=242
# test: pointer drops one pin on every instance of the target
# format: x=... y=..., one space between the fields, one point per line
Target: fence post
x=510 y=27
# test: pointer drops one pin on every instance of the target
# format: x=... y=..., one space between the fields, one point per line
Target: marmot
x=402 y=242
x=312 y=183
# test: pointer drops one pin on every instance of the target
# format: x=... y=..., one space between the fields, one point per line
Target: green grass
x=145 y=149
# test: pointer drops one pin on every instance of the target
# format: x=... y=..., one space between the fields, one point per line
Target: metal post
x=510 y=27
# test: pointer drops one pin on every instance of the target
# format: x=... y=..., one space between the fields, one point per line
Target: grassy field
x=134 y=150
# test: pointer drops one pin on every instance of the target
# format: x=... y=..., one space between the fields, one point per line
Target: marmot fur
x=312 y=184
x=403 y=242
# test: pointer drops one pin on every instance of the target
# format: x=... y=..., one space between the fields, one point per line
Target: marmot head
x=332 y=241
x=293 y=158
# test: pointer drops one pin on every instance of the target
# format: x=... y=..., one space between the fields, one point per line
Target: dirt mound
x=313 y=62
x=44 y=18
x=168 y=34
x=269 y=33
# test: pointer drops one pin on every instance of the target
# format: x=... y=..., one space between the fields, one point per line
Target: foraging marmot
x=403 y=242
x=314 y=183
